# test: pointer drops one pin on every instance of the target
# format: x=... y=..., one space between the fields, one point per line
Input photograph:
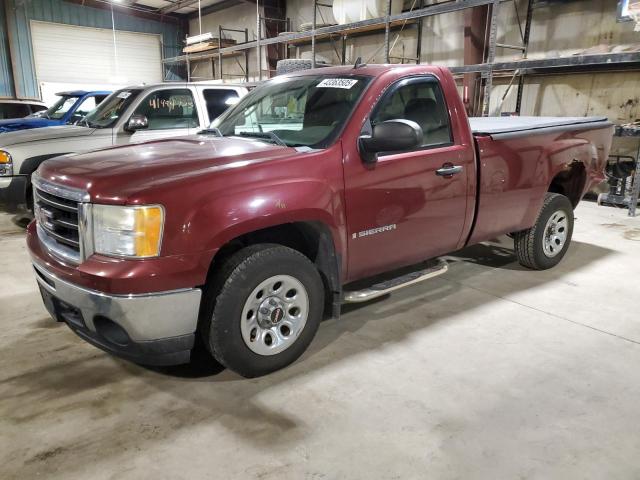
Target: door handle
x=448 y=170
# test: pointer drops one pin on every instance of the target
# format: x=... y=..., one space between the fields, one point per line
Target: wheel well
x=312 y=239
x=31 y=164
x=570 y=183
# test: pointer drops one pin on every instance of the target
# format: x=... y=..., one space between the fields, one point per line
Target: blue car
x=71 y=107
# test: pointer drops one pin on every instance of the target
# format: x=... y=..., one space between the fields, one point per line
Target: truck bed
x=502 y=127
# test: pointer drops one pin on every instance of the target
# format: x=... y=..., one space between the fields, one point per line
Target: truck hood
x=12 y=124
x=113 y=175
x=39 y=134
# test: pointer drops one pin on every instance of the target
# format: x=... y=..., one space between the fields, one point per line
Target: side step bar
x=387 y=286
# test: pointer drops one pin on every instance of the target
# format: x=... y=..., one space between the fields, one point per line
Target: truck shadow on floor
x=133 y=405
x=488 y=260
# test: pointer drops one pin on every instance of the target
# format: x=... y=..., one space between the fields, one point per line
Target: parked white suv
x=134 y=114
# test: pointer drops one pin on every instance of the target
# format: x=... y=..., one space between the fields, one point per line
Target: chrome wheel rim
x=555 y=233
x=274 y=315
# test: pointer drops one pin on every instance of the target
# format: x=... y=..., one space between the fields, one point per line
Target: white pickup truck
x=130 y=115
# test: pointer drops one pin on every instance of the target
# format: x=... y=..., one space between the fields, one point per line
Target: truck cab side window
x=218 y=100
x=167 y=109
x=13 y=110
x=422 y=102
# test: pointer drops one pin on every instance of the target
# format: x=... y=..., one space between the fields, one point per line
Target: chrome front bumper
x=141 y=327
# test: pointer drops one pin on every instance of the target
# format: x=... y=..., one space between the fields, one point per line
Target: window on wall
x=421 y=101
x=171 y=108
x=218 y=100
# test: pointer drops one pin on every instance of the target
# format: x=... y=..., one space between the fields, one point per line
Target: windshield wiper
x=265 y=136
x=214 y=130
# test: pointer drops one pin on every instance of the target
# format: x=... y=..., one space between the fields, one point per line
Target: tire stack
x=291 y=65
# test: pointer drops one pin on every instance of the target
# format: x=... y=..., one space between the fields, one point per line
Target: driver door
x=400 y=210
x=170 y=112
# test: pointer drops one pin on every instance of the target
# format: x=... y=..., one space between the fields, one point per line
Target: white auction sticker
x=124 y=95
x=337 y=83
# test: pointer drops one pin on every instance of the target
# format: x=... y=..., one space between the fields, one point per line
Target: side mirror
x=390 y=136
x=137 y=122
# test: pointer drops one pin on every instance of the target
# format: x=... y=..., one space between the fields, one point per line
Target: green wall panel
x=21 y=12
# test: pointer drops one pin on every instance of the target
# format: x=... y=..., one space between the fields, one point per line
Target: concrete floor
x=490 y=371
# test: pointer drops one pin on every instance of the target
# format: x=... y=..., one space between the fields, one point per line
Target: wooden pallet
x=209 y=45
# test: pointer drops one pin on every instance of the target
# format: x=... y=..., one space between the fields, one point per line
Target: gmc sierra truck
x=317 y=188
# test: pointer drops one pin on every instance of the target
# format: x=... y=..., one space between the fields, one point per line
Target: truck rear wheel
x=262 y=310
x=543 y=245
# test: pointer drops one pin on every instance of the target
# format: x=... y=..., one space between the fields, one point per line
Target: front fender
x=244 y=212
x=217 y=219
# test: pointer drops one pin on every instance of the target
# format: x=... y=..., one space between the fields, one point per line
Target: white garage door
x=83 y=55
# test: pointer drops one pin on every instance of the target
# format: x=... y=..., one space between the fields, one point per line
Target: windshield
x=111 y=109
x=62 y=106
x=300 y=111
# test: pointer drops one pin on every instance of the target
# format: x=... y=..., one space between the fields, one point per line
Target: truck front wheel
x=543 y=245
x=262 y=309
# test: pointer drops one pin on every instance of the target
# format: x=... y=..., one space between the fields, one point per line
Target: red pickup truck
x=237 y=241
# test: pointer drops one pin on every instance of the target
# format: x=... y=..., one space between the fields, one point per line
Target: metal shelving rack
x=626 y=198
x=216 y=54
x=518 y=68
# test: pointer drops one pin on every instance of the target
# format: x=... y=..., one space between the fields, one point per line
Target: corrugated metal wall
x=20 y=12
x=6 y=80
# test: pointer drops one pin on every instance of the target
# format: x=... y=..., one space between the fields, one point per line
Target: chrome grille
x=57 y=210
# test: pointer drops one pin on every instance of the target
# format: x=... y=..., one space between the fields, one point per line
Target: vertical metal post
x=635 y=192
x=287 y=51
x=213 y=68
x=259 y=34
x=188 y=68
x=219 y=50
x=344 y=49
x=313 y=34
x=387 y=27
x=491 y=56
x=246 y=56
x=419 y=39
x=525 y=45
x=115 y=45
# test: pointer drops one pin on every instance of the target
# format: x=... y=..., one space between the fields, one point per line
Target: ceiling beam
x=177 y=6
x=216 y=7
x=130 y=10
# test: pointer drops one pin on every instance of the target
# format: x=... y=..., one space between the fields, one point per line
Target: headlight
x=127 y=231
x=6 y=164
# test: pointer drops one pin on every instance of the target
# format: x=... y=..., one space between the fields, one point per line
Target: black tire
x=225 y=296
x=529 y=244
